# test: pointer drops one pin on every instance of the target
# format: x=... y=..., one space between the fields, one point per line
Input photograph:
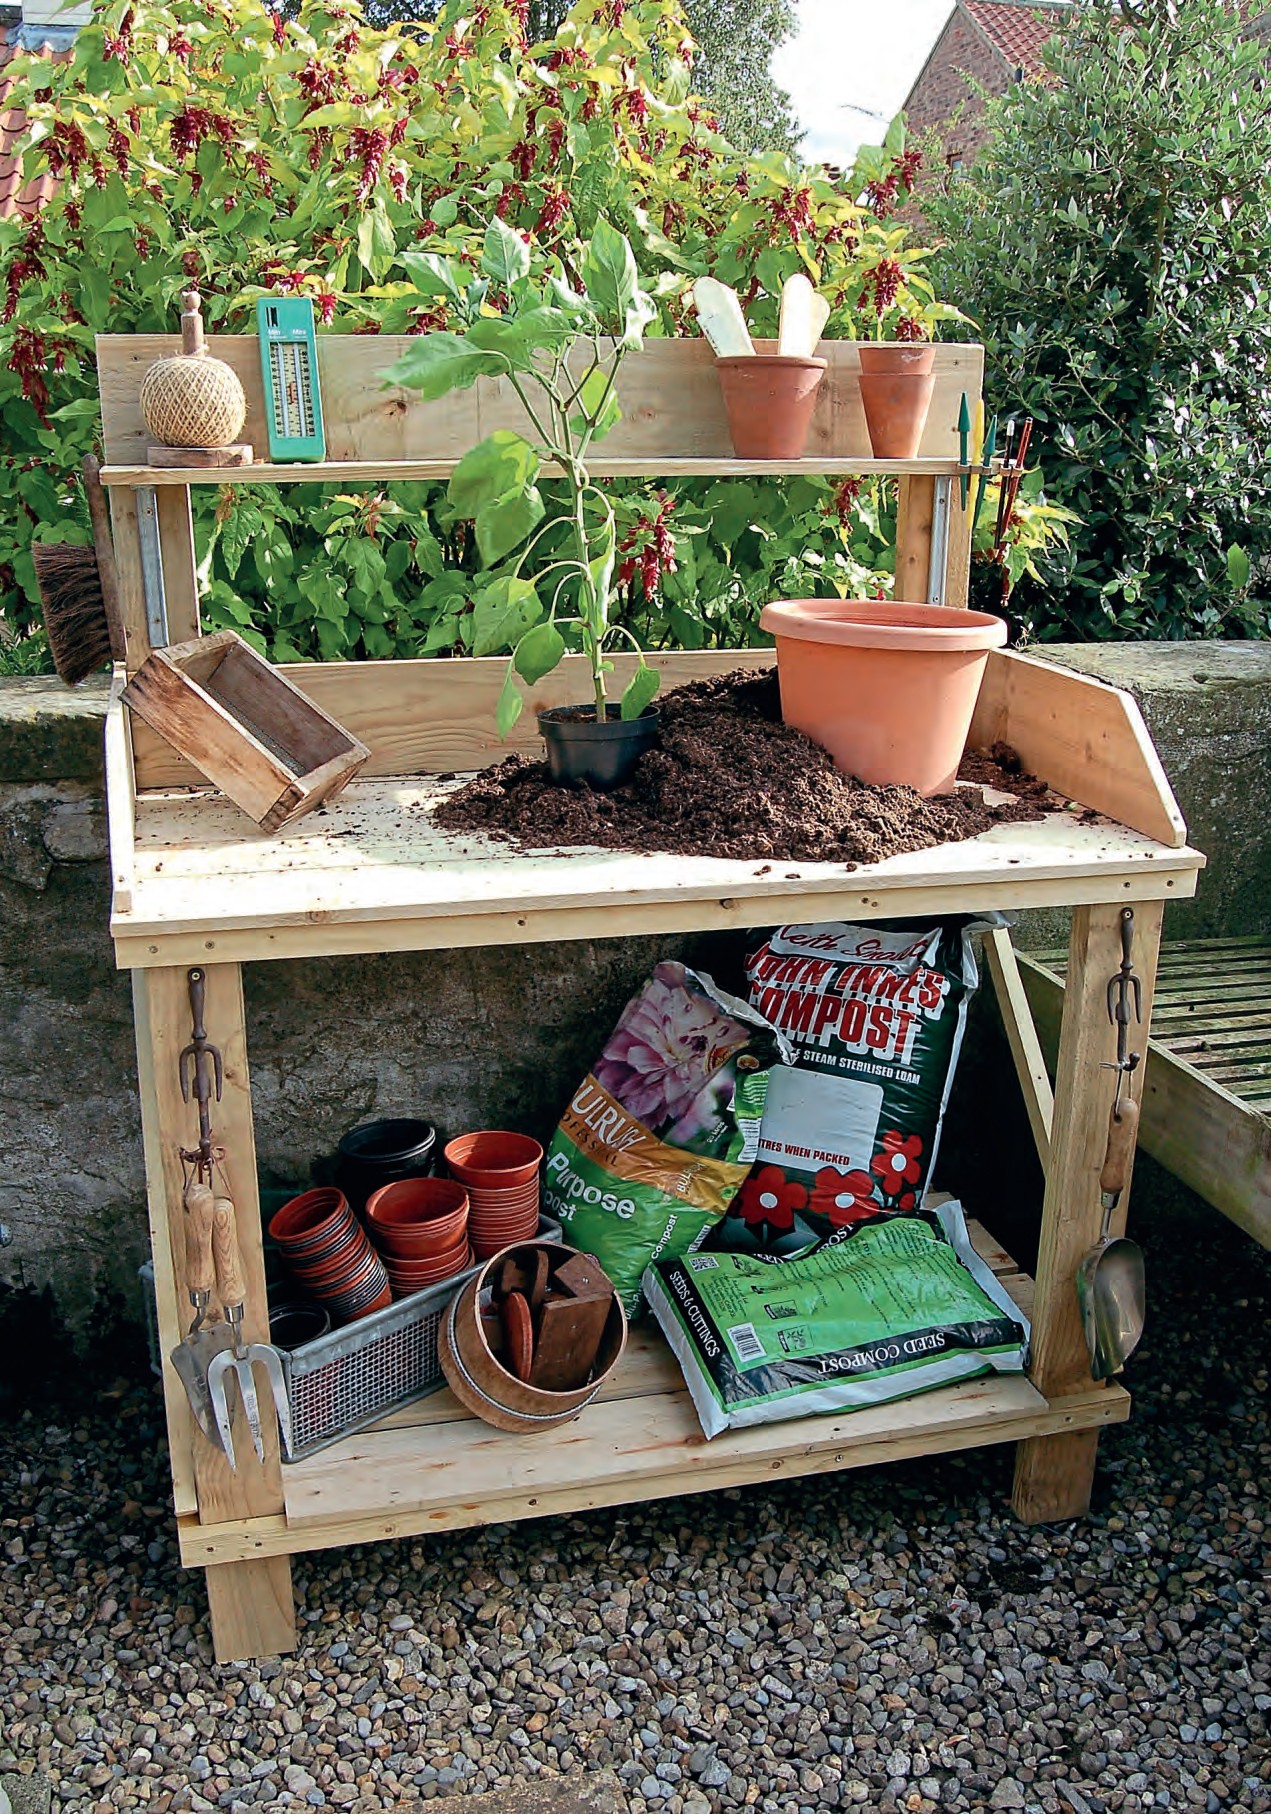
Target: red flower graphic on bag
x=843 y=1197
x=897 y=1164
x=769 y=1197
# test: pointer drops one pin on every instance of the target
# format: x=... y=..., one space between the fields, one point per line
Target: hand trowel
x=204 y=1341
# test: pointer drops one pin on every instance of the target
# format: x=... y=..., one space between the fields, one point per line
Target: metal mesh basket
x=343 y=1381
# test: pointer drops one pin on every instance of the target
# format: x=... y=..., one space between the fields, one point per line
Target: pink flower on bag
x=843 y=1197
x=670 y=1040
x=768 y=1196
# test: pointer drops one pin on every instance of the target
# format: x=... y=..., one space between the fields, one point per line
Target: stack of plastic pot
x=325 y=1249
x=420 y=1226
x=500 y=1172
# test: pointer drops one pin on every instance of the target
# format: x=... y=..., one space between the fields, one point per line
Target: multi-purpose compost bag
x=876 y=1016
x=658 y=1138
x=880 y=1313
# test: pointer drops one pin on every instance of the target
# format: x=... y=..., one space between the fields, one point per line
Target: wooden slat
x=436 y=717
x=180 y=576
x=1054 y=1479
x=373 y=873
x=673 y=412
x=1216 y=1144
x=915 y=515
x=1086 y=739
x=601 y=464
x=1021 y=1036
x=961 y=1417
x=132 y=600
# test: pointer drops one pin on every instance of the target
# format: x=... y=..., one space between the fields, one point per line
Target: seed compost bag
x=879 y=1313
x=660 y=1135
x=850 y=1130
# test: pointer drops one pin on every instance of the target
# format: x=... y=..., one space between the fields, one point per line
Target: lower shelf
x=432 y=1467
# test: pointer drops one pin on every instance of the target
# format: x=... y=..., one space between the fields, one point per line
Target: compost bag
x=883 y=1312
x=850 y=1130
x=660 y=1135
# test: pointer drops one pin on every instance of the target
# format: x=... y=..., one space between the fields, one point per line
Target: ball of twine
x=193 y=401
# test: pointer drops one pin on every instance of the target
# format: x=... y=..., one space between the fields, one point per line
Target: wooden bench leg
x=253 y=1613
x=251 y=1606
x=1054 y=1474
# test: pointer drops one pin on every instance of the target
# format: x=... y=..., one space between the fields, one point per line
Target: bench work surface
x=371 y=871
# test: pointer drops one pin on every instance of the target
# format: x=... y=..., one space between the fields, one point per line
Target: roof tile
x=1016 y=32
x=15 y=196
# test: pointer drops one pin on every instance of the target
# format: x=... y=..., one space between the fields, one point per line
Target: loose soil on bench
x=731 y=780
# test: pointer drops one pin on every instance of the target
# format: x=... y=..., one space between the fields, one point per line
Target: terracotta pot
x=888 y=688
x=418 y=1216
x=897 y=383
x=769 y=399
x=310 y=1221
x=494 y=1160
x=485 y=1387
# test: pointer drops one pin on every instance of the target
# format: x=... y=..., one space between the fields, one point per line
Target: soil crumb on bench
x=729 y=779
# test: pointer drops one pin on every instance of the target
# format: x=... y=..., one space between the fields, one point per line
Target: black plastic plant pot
x=580 y=749
x=381 y=1152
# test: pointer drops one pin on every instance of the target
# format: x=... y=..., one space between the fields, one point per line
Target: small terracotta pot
x=888 y=688
x=485 y=1387
x=769 y=399
x=494 y=1160
x=897 y=383
x=418 y=1216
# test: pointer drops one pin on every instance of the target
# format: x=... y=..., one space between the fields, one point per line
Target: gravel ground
x=888 y=1639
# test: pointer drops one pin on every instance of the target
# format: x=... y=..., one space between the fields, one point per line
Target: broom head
x=75 y=618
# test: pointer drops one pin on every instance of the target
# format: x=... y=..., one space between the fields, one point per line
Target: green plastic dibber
x=289 y=367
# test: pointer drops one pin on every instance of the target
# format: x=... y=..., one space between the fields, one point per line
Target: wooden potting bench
x=196 y=883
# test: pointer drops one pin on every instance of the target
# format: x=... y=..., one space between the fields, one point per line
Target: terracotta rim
x=759 y=362
x=882 y=624
x=307 y=1216
x=494 y=1158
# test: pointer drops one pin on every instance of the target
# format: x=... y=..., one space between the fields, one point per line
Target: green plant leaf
x=431 y=275
x=518 y=337
x=504 y=523
x=510 y=705
x=503 y=612
x=436 y=364
x=376 y=241
x=538 y=652
x=609 y=270
x=595 y=411
x=501 y=466
x=1238 y=568
x=640 y=689
x=505 y=257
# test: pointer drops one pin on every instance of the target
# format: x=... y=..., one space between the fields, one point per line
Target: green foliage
x=402 y=179
x=1111 y=241
x=735 y=42
x=563 y=364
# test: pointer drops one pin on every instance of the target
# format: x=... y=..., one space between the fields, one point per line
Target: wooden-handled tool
x=1110 y=1283
x=242 y=1357
x=193 y=1357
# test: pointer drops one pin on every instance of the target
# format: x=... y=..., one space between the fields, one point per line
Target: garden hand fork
x=242 y=1356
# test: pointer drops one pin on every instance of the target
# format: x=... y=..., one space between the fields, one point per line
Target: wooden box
x=244 y=726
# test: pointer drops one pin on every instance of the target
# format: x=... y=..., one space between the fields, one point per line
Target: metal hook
x=1125 y=1003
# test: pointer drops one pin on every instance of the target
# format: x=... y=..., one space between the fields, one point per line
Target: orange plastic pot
x=417 y=1217
x=888 y=689
x=769 y=399
x=897 y=383
x=494 y=1160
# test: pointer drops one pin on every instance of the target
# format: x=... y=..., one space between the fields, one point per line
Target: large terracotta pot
x=888 y=688
x=897 y=381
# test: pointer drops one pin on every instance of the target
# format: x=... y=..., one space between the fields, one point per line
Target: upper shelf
x=350 y=472
x=672 y=414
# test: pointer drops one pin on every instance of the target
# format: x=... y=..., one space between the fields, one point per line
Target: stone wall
x=468 y=1038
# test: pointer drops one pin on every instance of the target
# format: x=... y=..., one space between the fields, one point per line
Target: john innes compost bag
x=877 y=1017
x=660 y=1135
x=890 y=1310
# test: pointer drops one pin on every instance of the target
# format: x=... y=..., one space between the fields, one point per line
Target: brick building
x=994 y=43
